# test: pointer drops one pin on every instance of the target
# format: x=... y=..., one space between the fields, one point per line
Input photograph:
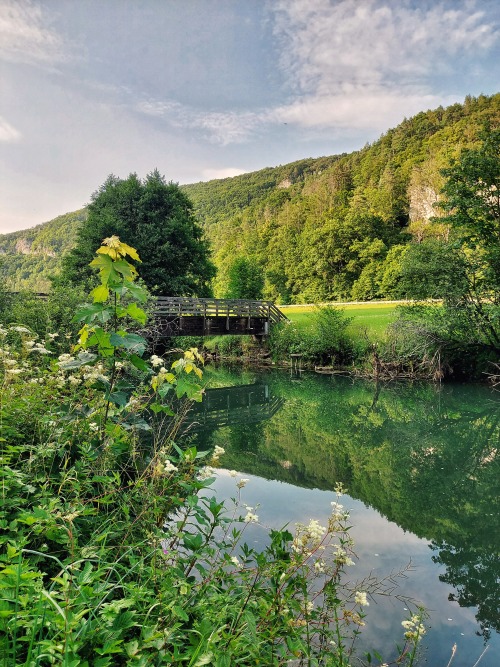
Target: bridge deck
x=186 y=316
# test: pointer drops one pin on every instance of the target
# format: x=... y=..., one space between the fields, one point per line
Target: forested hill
x=29 y=257
x=316 y=229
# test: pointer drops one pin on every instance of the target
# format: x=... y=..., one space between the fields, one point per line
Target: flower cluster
x=414 y=627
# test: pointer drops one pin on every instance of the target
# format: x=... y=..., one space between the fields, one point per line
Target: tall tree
x=246 y=280
x=157 y=219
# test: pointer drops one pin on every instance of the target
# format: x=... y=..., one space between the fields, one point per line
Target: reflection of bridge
x=186 y=316
x=246 y=404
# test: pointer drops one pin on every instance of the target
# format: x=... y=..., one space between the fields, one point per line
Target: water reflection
x=424 y=457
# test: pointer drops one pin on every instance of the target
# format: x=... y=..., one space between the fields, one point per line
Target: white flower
x=155 y=360
x=29 y=343
x=233 y=473
x=251 y=518
x=319 y=566
x=65 y=357
x=93 y=426
x=20 y=329
x=14 y=371
x=169 y=466
x=242 y=483
x=218 y=451
x=361 y=599
x=235 y=561
x=52 y=335
x=205 y=473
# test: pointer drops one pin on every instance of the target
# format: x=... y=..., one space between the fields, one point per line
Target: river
x=421 y=467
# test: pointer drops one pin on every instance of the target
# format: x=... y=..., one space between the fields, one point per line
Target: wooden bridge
x=186 y=316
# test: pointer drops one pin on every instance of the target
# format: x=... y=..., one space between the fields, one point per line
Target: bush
x=325 y=342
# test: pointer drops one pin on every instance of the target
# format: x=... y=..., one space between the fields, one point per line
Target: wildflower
x=415 y=630
x=10 y=362
x=52 y=335
x=235 y=561
x=316 y=532
x=155 y=360
x=93 y=426
x=65 y=357
x=169 y=466
x=361 y=599
x=29 y=343
x=205 y=473
x=20 y=329
x=14 y=371
x=218 y=451
x=337 y=509
x=40 y=349
x=233 y=473
x=250 y=518
x=319 y=566
x=309 y=606
x=242 y=483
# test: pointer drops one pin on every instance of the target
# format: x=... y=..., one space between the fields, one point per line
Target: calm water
x=421 y=465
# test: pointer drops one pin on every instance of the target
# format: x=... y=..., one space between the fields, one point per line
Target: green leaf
x=90 y=313
x=139 y=363
x=129 y=341
x=100 y=294
x=118 y=398
x=104 y=264
x=137 y=313
x=180 y=613
x=125 y=269
x=157 y=407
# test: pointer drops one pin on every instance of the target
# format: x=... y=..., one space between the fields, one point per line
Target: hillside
x=29 y=257
x=316 y=229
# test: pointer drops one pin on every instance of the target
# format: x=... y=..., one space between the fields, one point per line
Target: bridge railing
x=185 y=306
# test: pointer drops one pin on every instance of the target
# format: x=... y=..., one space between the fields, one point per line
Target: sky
x=204 y=89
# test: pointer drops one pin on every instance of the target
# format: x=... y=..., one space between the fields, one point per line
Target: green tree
x=155 y=217
x=245 y=280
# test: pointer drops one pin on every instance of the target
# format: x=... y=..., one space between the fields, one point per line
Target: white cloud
x=368 y=63
x=8 y=133
x=25 y=35
x=352 y=64
x=219 y=127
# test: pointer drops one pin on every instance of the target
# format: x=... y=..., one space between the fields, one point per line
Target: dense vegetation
x=114 y=551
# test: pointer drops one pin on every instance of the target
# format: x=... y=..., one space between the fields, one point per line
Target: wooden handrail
x=186 y=306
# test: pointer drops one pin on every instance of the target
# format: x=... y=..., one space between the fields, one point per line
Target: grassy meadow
x=370 y=320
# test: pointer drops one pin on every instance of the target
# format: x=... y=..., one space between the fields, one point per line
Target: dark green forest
x=351 y=226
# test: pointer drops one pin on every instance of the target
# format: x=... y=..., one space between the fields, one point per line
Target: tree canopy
x=157 y=219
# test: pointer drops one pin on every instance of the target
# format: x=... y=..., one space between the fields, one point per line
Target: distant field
x=372 y=318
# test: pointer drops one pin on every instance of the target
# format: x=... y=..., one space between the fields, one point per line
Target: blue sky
x=204 y=89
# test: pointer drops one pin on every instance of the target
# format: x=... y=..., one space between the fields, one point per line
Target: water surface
x=421 y=464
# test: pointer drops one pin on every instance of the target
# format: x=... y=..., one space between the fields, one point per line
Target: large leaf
x=100 y=294
x=91 y=312
x=129 y=341
x=137 y=313
x=105 y=265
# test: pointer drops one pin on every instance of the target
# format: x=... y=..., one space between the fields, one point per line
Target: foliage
x=245 y=280
x=324 y=342
x=113 y=551
x=158 y=218
x=465 y=333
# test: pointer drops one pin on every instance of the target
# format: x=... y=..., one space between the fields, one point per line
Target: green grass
x=370 y=319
